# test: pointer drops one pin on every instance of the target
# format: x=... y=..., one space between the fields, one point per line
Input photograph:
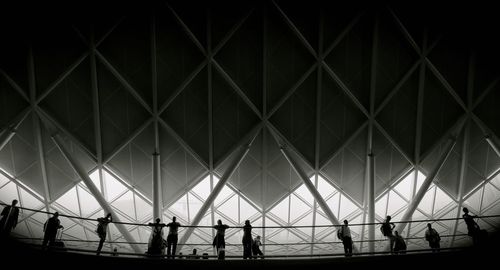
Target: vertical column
x=371 y=201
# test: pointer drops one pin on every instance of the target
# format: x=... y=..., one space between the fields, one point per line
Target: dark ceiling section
x=486 y=69
x=390 y=164
x=11 y=103
x=399 y=116
x=452 y=61
x=70 y=103
x=287 y=58
x=440 y=111
x=351 y=59
x=305 y=17
x=14 y=56
x=232 y=118
x=224 y=16
x=55 y=48
x=128 y=49
x=488 y=111
x=394 y=57
x=242 y=58
x=347 y=168
x=188 y=115
x=121 y=113
x=194 y=18
x=296 y=118
x=177 y=56
x=340 y=118
x=336 y=19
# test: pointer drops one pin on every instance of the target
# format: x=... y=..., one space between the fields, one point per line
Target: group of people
x=251 y=247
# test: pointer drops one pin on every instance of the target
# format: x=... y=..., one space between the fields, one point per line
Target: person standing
x=219 y=242
x=50 y=228
x=102 y=229
x=10 y=215
x=386 y=229
x=247 y=240
x=344 y=234
x=256 y=247
x=472 y=227
x=399 y=244
x=172 y=238
x=432 y=236
x=156 y=242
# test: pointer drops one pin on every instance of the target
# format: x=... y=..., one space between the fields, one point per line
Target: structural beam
x=58 y=141
x=426 y=184
x=216 y=190
x=157 y=190
x=371 y=201
x=9 y=132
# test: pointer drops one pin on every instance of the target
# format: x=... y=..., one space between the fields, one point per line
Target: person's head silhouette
x=247 y=222
x=345 y=222
x=108 y=216
x=56 y=214
x=396 y=233
x=429 y=226
x=157 y=220
x=219 y=222
x=173 y=219
x=388 y=218
x=465 y=210
x=14 y=202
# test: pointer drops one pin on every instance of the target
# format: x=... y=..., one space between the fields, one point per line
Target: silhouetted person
x=194 y=255
x=344 y=234
x=115 y=252
x=10 y=214
x=399 y=244
x=472 y=227
x=433 y=237
x=50 y=228
x=172 y=238
x=219 y=242
x=247 y=240
x=386 y=229
x=256 y=246
x=102 y=229
x=156 y=244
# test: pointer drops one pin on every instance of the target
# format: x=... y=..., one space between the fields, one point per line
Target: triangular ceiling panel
x=340 y=118
x=187 y=115
x=452 y=62
x=248 y=76
x=296 y=118
x=440 y=113
x=177 y=55
x=389 y=162
x=287 y=58
x=232 y=118
x=128 y=49
x=395 y=57
x=21 y=151
x=194 y=19
x=347 y=168
x=399 y=116
x=305 y=18
x=70 y=103
x=55 y=48
x=121 y=113
x=487 y=110
x=351 y=59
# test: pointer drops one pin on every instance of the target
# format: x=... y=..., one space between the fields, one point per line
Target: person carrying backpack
x=432 y=236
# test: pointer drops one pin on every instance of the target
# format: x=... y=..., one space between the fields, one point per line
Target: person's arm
x=392 y=226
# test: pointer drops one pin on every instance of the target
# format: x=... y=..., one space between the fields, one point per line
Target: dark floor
x=24 y=257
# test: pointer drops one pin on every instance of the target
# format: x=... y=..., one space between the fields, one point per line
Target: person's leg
x=169 y=245
x=174 y=245
x=101 y=242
